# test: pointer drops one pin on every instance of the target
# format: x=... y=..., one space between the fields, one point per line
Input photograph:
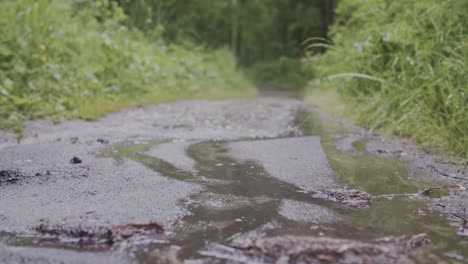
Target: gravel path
x=99 y=173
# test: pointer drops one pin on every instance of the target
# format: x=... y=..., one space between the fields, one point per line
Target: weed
x=401 y=65
x=59 y=59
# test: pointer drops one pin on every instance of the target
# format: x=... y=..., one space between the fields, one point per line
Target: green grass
x=98 y=107
x=67 y=59
x=283 y=73
x=400 y=66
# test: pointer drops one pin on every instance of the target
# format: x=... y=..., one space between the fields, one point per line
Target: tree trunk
x=234 y=29
x=327 y=11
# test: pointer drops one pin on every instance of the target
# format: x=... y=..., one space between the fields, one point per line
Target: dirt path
x=167 y=182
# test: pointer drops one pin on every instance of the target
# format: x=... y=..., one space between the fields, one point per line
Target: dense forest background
x=396 y=66
x=255 y=30
x=267 y=38
x=84 y=58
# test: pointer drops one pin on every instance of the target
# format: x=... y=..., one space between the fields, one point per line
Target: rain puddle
x=242 y=200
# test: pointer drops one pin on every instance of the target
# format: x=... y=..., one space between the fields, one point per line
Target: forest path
x=210 y=172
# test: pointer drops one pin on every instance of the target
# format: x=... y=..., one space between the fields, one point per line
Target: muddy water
x=377 y=175
x=239 y=197
x=243 y=200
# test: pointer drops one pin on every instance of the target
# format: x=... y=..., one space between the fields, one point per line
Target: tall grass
x=283 y=73
x=402 y=66
x=76 y=59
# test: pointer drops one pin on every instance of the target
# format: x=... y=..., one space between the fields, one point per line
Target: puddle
x=378 y=175
x=242 y=199
x=239 y=197
x=360 y=170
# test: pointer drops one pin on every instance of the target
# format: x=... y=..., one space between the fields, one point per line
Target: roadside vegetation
x=399 y=67
x=64 y=59
x=266 y=37
x=283 y=73
x=393 y=66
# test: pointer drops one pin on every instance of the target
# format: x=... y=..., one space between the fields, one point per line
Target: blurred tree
x=255 y=30
x=327 y=11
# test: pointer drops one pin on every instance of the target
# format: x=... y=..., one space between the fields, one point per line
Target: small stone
x=9 y=176
x=75 y=160
x=303 y=249
x=103 y=141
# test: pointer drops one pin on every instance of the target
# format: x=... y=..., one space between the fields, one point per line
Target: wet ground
x=190 y=180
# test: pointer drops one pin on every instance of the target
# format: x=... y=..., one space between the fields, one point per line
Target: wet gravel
x=71 y=181
x=195 y=119
x=307 y=213
x=56 y=176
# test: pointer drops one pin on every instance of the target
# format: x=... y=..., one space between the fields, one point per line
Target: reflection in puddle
x=242 y=199
x=239 y=197
x=378 y=175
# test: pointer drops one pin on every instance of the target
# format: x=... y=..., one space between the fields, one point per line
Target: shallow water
x=243 y=197
x=242 y=200
x=377 y=175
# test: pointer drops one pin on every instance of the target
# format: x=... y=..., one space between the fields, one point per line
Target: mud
x=97 y=236
x=349 y=198
x=300 y=249
x=9 y=176
x=221 y=173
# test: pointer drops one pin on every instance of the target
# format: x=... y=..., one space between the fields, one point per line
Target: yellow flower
x=44 y=58
x=42 y=46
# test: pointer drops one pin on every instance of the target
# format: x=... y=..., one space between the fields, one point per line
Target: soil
x=9 y=176
x=349 y=198
x=95 y=236
x=233 y=180
x=298 y=249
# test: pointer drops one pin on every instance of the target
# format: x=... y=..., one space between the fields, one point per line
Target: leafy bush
x=63 y=62
x=285 y=72
x=256 y=30
x=402 y=64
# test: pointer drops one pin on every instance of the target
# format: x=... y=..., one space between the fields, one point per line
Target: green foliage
x=255 y=30
x=282 y=73
x=82 y=62
x=403 y=64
